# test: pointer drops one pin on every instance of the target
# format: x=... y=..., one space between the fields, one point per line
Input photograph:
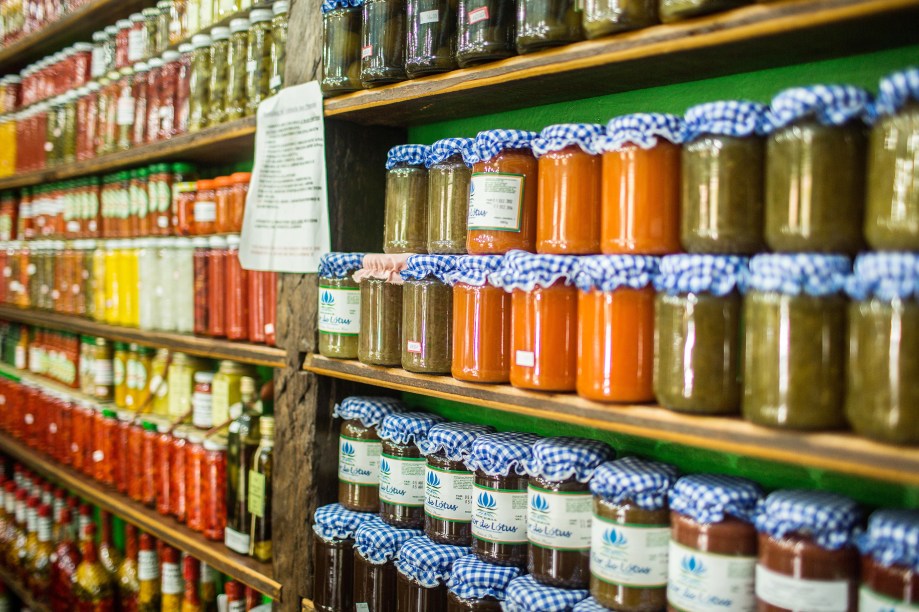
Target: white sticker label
x=402 y=481
x=560 y=521
x=499 y=516
x=413 y=346
x=339 y=311
x=125 y=112
x=236 y=541
x=477 y=15
x=173 y=584
x=274 y=81
x=251 y=65
x=429 y=16
x=526 y=359
x=148 y=565
x=359 y=461
x=236 y=606
x=869 y=601
x=448 y=494
x=799 y=594
x=205 y=212
x=496 y=201
x=629 y=555
x=701 y=581
x=44 y=529
x=366 y=51
x=136 y=45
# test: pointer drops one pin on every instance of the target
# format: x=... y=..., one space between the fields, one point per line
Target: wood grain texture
x=304 y=42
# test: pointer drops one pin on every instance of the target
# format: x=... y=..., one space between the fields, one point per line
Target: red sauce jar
x=122 y=463
x=121 y=43
x=183 y=89
x=205 y=211
x=64 y=453
x=105 y=422
x=217 y=294
x=214 y=498
x=194 y=481
x=270 y=281
x=237 y=293
x=163 y=469
x=183 y=207
x=223 y=195
x=177 y=488
x=168 y=95
x=78 y=436
x=135 y=454
x=148 y=460
x=154 y=99
x=200 y=263
x=139 y=90
x=240 y=191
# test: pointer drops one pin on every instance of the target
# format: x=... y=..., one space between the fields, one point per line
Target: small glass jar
x=139 y=89
x=341 y=47
x=194 y=481
x=163 y=456
x=239 y=194
x=406 y=207
x=235 y=102
x=339 y=308
x=137 y=38
x=278 y=49
x=430 y=46
x=421 y=565
x=449 y=176
x=121 y=43
x=258 y=58
x=184 y=196
x=487 y=31
x=167 y=100
x=383 y=42
x=178 y=489
x=333 y=578
x=217 y=80
x=202 y=286
x=217 y=287
x=547 y=24
x=151 y=41
x=380 y=336
x=376 y=547
x=163 y=26
x=226 y=389
x=237 y=292
x=214 y=499
x=427 y=309
x=815 y=169
x=178 y=21
x=476 y=586
x=148 y=459
x=605 y=17
x=678 y=10
x=526 y=594
x=202 y=401
x=180 y=381
x=205 y=209
x=183 y=89
x=198 y=106
x=888 y=573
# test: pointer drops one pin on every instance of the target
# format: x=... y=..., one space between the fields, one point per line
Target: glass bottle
x=341 y=48
x=431 y=43
x=278 y=50
x=258 y=58
x=191 y=572
x=93 y=588
x=39 y=568
x=260 y=493
x=198 y=83
x=383 y=42
x=172 y=585
x=235 y=101
x=64 y=564
x=217 y=82
x=242 y=444
x=127 y=579
x=487 y=31
x=148 y=575
x=109 y=556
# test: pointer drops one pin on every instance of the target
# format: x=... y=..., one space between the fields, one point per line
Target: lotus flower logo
x=693 y=566
x=486 y=501
x=327 y=298
x=615 y=538
x=384 y=467
x=347 y=450
x=539 y=504
x=433 y=480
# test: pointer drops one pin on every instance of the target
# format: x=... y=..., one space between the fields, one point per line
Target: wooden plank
x=14 y=584
x=751 y=38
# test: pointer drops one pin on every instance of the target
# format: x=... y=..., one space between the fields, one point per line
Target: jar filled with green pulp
x=217 y=81
x=406 y=209
x=431 y=43
x=198 y=110
x=258 y=58
x=341 y=47
x=383 y=42
x=678 y=10
x=278 y=46
x=380 y=336
x=487 y=31
x=604 y=17
x=449 y=166
x=427 y=314
x=547 y=23
x=234 y=106
x=339 y=305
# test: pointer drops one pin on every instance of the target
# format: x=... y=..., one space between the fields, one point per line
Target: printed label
x=202 y=416
x=236 y=606
x=148 y=565
x=429 y=16
x=526 y=359
x=118 y=371
x=402 y=481
x=208 y=575
x=136 y=45
x=629 y=555
x=448 y=494
x=102 y=372
x=799 y=594
x=477 y=15
x=256 y=493
x=499 y=516
x=125 y=112
x=205 y=212
x=359 y=461
x=44 y=529
x=220 y=400
x=702 y=582
x=869 y=601
x=495 y=201
x=339 y=311
x=274 y=81
x=413 y=346
x=172 y=579
x=251 y=66
x=236 y=541
x=366 y=51
x=560 y=521
x=361 y=607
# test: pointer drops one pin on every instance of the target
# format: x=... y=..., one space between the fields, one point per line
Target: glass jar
x=163 y=25
x=888 y=560
x=376 y=546
x=678 y=10
x=815 y=170
x=139 y=87
x=194 y=480
x=333 y=580
x=226 y=8
x=605 y=17
x=449 y=176
x=178 y=21
x=154 y=99
x=383 y=42
x=427 y=325
x=487 y=31
x=235 y=102
x=217 y=287
x=430 y=46
x=151 y=17
x=406 y=207
x=119 y=368
x=178 y=490
x=202 y=401
x=223 y=194
x=201 y=299
x=214 y=499
x=341 y=48
x=183 y=89
x=217 y=80
x=238 y=293
x=148 y=459
x=478 y=586
x=184 y=196
x=168 y=95
x=163 y=457
x=258 y=58
x=226 y=390
x=198 y=107
x=205 y=209
x=380 y=336
x=795 y=341
x=180 y=381
x=239 y=193
x=722 y=178
x=402 y=467
x=481 y=322
x=547 y=24
x=339 y=308
x=121 y=43
x=278 y=50
x=421 y=566
x=137 y=39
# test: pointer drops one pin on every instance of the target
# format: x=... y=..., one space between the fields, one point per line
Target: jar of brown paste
x=333 y=575
x=890 y=561
x=476 y=586
x=376 y=548
x=423 y=569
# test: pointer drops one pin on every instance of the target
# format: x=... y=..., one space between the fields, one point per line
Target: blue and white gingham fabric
x=369 y=410
x=892 y=538
x=589 y=605
x=561 y=458
x=427 y=562
x=886 y=276
x=454 y=439
x=491 y=142
x=828 y=104
x=895 y=90
x=644 y=482
x=419 y=267
x=563 y=135
x=524 y=594
x=407 y=427
x=378 y=542
x=796 y=273
x=472 y=578
x=610 y=272
x=446 y=148
x=707 y=498
x=725 y=118
x=500 y=453
x=642 y=129
x=474 y=269
x=334 y=523
x=413 y=155
x=340 y=265
x=715 y=274
x=828 y=518
x=526 y=271
x=331 y=5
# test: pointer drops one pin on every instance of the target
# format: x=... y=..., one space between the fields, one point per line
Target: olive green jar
x=217 y=81
x=380 y=335
x=383 y=42
x=198 y=83
x=69 y=137
x=258 y=58
x=406 y=207
x=430 y=46
x=605 y=17
x=547 y=23
x=795 y=341
x=678 y=10
x=234 y=105
x=815 y=169
x=427 y=314
x=278 y=46
x=341 y=47
x=449 y=164
x=339 y=305
x=486 y=31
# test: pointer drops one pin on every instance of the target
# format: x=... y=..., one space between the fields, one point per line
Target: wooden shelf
x=245 y=569
x=58 y=387
x=840 y=452
x=752 y=38
x=219 y=144
x=15 y=585
x=206 y=347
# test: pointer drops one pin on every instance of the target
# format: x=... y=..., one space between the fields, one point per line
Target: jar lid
x=715 y=274
x=171 y=56
x=560 y=458
x=642 y=481
x=199 y=41
x=491 y=142
x=446 y=148
x=185 y=48
x=82 y=47
x=331 y=5
x=239 y=25
x=339 y=265
x=524 y=594
x=412 y=154
x=474 y=269
x=370 y=411
x=407 y=427
x=828 y=518
x=153 y=62
x=233 y=241
x=419 y=267
x=498 y=453
x=378 y=542
x=793 y=274
x=141 y=67
x=215 y=443
x=382 y=267
x=259 y=15
x=217 y=242
x=472 y=578
x=892 y=538
x=895 y=90
x=220 y=33
x=563 y=135
x=281 y=6
x=427 y=562
x=100 y=35
x=708 y=498
x=828 y=104
x=335 y=523
x=137 y=17
x=611 y=272
x=204 y=377
x=150 y=11
x=199 y=242
x=526 y=271
x=204 y=185
x=123 y=23
x=887 y=276
x=183 y=168
x=454 y=439
x=725 y=118
x=196 y=436
x=241 y=177
x=642 y=129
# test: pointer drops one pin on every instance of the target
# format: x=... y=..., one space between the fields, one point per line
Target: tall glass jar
x=183 y=88
x=422 y=567
x=258 y=58
x=427 y=324
x=406 y=207
x=430 y=46
x=341 y=47
x=339 y=308
x=380 y=336
x=888 y=560
x=163 y=26
x=449 y=176
x=376 y=548
x=333 y=580
x=605 y=17
x=198 y=107
x=217 y=81
x=486 y=32
x=383 y=42
x=235 y=101
x=139 y=89
x=547 y=24
x=278 y=49
x=238 y=291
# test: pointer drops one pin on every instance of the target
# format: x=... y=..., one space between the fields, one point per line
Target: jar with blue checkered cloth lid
x=678 y=10
x=486 y=31
x=568 y=203
x=807 y=560
x=339 y=314
x=376 y=550
x=882 y=397
x=405 y=214
x=341 y=46
x=890 y=561
x=379 y=341
x=383 y=42
x=524 y=594
x=423 y=568
x=449 y=175
x=815 y=169
x=795 y=341
x=476 y=586
x=605 y=17
x=427 y=314
x=333 y=555
x=547 y=24
x=892 y=198
x=697 y=335
x=430 y=44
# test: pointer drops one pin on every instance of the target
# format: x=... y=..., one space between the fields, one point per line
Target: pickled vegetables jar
x=406 y=208
x=383 y=42
x=604 y=17
x=258 y=58
x=125 y=109
x=235 y=101
x=341 y=46
x=198 y=107
x=427 y=309
x=339 y=309
x=449 y=176
x=430 y=46
x=217 y=81
x=214 y=499
x=486 y=31
x=380 y=336
x=547 y=24
x=278 y=50
x=217 y=287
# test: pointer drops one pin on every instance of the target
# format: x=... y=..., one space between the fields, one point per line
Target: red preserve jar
x=81 y=63
x=135 y=454
x=139 y=90
x=183 y=206
x=205 y=210
x=223 y=195
x=121 y=43
x=65 y=432
x=104 y=424
x=240 y=191
x=148 y=458
x=121 y=470
x=163 y=469
x=214 y=497
x=168 y=95
x=154 y=99
x=194 y=474
x=217 y=294
x=200 y=263
x=237 y=293
x=177 y=489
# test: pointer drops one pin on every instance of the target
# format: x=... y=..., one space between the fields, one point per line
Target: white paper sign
x=286 y=221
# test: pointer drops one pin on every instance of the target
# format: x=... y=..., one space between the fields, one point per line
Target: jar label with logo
x=869 y=601
x=702 y=581
x=236 y=541
x=448 y=494
x=496 y=201
x=499 y=516
x=148 y=565
x=359 y=461
x=339 y=311
x=402 y=481
x=560 y=521
x=800 y=594
x=629 y=555
x=172 y=579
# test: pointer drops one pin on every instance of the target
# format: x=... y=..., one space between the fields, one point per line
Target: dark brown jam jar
x=524 y=594
x=376 y=548
x=333 y=576
x=476 y=586
x=423 y=569
x=890 y=561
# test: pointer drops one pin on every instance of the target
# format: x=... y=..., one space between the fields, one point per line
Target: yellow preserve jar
x=181 y=381
x=119 y=368
x=158 y=386
x=225 y=389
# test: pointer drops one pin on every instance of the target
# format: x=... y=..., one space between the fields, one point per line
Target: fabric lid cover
x=378 y=542
x=708 y=498
x=564 y=135
x=642 y=481
x=411 y=154
x=524 y=594
x=335 y=523
x=895 y=90
x=499 y=453
x=472 y=578
x=589 y=605
x=642 y=129
x=611 y=272
x=796 y=273
x=561 y=458
x=736 y=118
x=331 y=5
x=339 y=265
x=407 y=427
x=427 y=562
x=828 y=104
x=892 y=538
x=526 y=271
x=419 y=267
x=446 y=148
x=474 y=269
x=491 y=142
x=369 y=410
x=382 y=266
x=454 y=439
x=718 y=275
x=887 y=276
x=828 y=518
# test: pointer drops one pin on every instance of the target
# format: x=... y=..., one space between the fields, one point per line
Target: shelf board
x=839 y=452
x=206 y=347
x=218 y=144
x=760 y=36
x=245 y=569
x=75 y=395
x=14 y=584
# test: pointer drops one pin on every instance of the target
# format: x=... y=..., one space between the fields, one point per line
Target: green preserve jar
x=547 y=23
x=406 y=208
x=258 y=58
x=380 y=335
x=678 y=10
x=383 y=42
x=487 y=31
x=217 y=80
x=427 y=314
x=882 y=397
x=697 y=333
x=815 y=169
x=449 y=164
x=234 y=105
x=341 y=46
x=198 y=84
x=278 y=46
x=795 y=341
x=604 y=17
x=431 y=43
x=721 y=203
x=339 y=305
x=892 y=208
